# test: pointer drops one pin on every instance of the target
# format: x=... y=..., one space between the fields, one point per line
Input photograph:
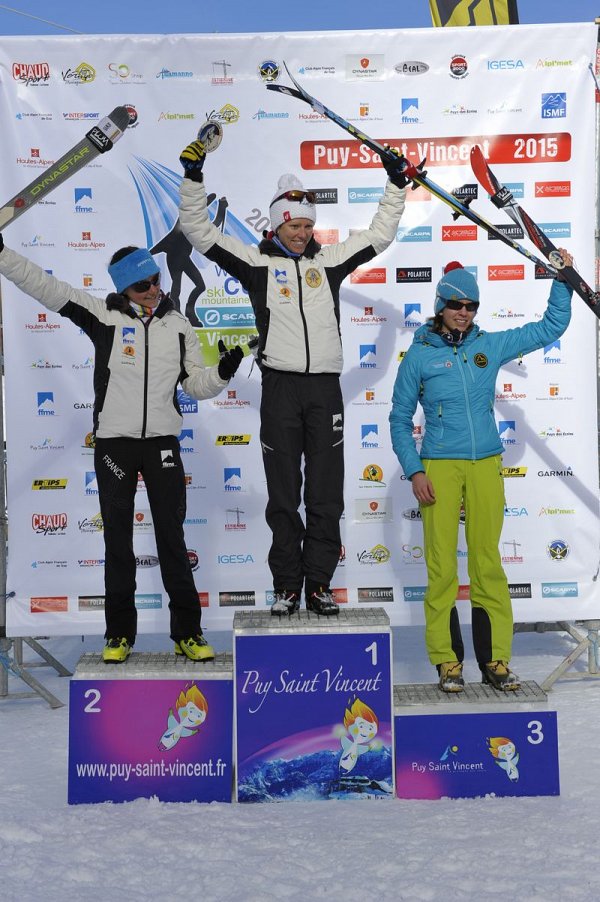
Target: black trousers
x=302 y=416
x=117 y=462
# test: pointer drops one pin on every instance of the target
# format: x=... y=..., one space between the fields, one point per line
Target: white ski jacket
x=295 y=300
x=137 y=365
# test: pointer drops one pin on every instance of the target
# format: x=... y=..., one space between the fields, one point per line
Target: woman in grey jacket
x=143 y=349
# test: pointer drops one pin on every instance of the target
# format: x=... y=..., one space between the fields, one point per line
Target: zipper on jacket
x=301 y=309
x=467 y=404
x=146 y=355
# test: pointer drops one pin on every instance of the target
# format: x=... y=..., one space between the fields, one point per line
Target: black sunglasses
x=297 y=195
x=145 y=284
x=471 y=306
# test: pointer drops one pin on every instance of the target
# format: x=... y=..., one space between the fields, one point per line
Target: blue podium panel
x=152 y=726
x=458 y=749
x=313 y=706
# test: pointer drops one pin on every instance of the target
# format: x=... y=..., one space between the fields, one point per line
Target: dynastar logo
x=59 y=171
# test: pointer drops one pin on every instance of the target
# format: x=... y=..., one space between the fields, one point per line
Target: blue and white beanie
x=457 y=284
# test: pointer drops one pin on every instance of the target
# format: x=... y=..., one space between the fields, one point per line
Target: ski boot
x=451 y=678
x=196 y=648
x=285 y=603
x=322 y=602
x=498 y=675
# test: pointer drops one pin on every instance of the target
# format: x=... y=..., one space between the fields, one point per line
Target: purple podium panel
x=313 y=707
x=458 y=751
x=152 y=734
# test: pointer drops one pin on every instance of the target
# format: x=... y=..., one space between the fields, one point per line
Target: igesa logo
x=507 y=65
x=560 y=590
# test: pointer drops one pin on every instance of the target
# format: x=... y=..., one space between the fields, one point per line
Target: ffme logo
x=412 y=315
x=45 y=404
x=368 y=356
x=83 y=200
x=506 y=429
x=91 y=484
x=409 y=111
x=186 y=441
x=554 y=106
x=369 y=435
x=232 y=479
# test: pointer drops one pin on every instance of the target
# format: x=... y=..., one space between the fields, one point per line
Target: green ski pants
x=478 y=485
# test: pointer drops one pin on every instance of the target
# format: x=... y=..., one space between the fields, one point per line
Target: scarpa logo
x=364 y=195
x=556 y=229
x=423 y=233
x=414 y=593
x=560 y=590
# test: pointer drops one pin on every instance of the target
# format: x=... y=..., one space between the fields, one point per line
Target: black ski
x=416 y=174
x=504 y=200
x=98 y=140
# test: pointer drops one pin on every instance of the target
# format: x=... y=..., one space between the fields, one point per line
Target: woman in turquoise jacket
x=451 y=369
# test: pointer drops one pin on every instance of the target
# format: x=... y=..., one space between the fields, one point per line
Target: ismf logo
x=554 y=106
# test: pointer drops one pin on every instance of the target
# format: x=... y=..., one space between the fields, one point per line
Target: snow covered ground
x=524 y=849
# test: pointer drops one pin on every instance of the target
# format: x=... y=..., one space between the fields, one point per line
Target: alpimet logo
x=368 y=356
x=45 y=404
x=412 y=315
x=554 y=106
x=369 y=434
x=507 y=430
x=232 y=479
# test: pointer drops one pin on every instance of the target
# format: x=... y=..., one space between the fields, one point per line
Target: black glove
x=192 y=159
x=229 y=360
x=394 y=168
x=1 y=242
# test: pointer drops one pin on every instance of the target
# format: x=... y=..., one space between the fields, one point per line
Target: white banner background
x=529 y=84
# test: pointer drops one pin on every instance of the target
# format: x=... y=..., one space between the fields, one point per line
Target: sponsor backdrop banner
x=525 y=94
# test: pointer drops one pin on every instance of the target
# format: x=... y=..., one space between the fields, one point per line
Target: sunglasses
x=298 y=196
x=470 y=306
x=145 y=284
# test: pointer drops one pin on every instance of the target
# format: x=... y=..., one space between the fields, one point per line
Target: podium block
x=313 y=706
x=479 y=742
x=154 y=726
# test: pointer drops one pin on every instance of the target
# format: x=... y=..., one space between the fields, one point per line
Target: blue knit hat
x=138 y=265
x=457 y=284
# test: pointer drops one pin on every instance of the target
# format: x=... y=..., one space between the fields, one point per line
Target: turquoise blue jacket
x=455 y=385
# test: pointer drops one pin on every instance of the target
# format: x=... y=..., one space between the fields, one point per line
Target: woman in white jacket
x=143 y=349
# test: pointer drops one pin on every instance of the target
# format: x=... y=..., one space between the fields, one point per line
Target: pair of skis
x=500 y=196
x=99 y=139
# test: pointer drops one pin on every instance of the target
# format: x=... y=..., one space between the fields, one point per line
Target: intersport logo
x=509 y=272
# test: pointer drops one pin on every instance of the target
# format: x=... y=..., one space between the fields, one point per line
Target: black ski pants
x=118 y=462
x=303 y=416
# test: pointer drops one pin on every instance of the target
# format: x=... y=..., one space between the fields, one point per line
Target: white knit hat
x=282 y=209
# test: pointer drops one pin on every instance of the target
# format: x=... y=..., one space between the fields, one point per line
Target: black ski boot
x=321 y=601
